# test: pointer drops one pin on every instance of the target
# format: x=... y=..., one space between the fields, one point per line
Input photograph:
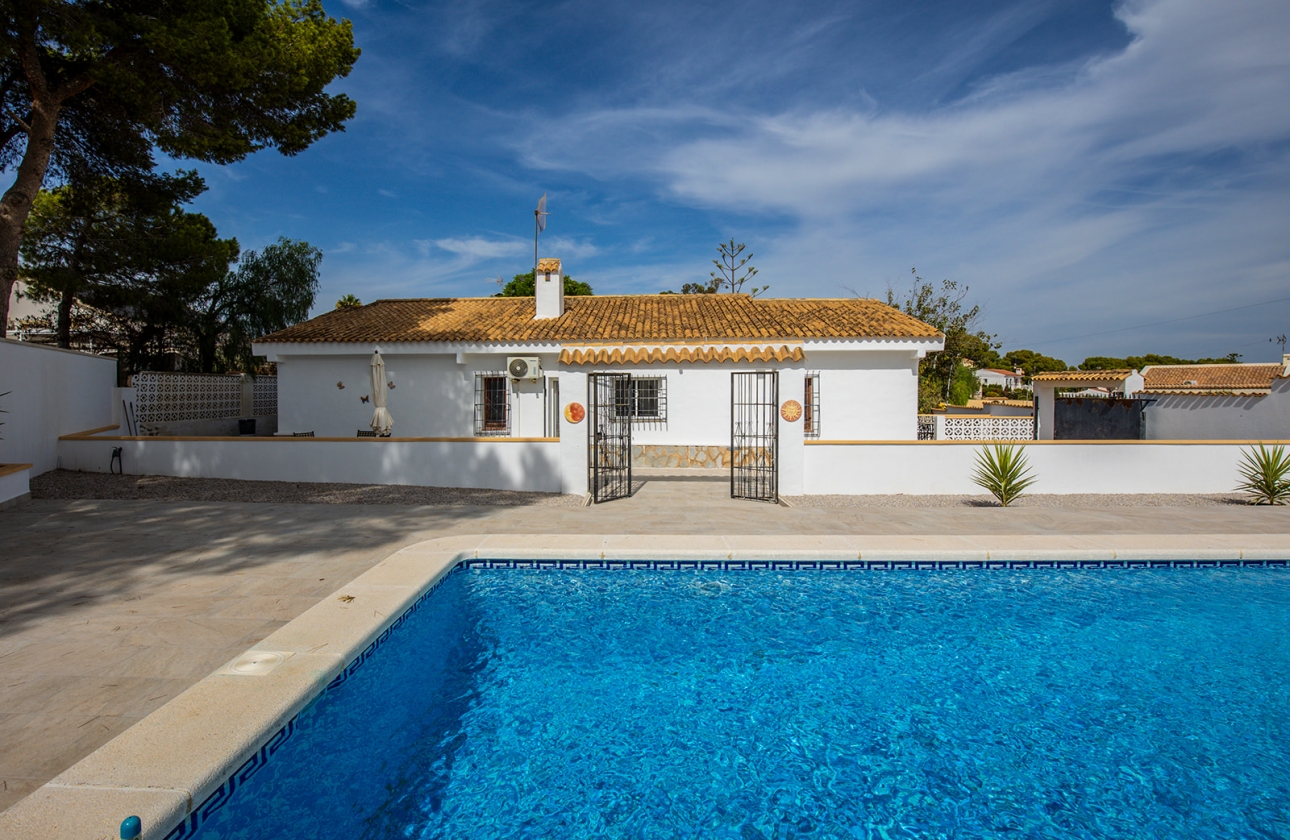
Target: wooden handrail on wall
x=93 y=434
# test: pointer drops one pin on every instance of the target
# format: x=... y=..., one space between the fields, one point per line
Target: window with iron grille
x=643 y=399
x=811 y=406
x=492 y=404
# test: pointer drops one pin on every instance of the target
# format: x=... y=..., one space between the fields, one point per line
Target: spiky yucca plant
x=1002 y=470
x=1266 y=474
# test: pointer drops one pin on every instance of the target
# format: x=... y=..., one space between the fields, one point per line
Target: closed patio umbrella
x=382 y=422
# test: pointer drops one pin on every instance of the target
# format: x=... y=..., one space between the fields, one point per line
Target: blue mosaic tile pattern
x=192 y=825
x=856 y=565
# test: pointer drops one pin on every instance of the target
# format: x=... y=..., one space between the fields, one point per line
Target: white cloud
x=477 y=248
x=566 y=248
x=1148 y=182
x=1199 y=77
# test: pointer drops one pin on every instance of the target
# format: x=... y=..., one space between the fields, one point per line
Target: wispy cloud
x=564 y=247
x=1135 y=167
x=1070 y=166
x=478 y=249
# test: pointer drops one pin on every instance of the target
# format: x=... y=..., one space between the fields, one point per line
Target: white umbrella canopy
x=382 y=422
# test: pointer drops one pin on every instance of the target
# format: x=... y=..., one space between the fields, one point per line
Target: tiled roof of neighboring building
x=616 y=318
x=1082 y=376
x=1211 y=380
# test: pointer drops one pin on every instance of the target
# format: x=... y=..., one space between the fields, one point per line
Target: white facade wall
x=1059 y=466
x=864 y=395
x=484 y=463
x=433 y=395
x=1221 y=418
x=53 y=392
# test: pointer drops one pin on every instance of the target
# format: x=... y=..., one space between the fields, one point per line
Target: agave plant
x=1266 y=474
x=2 y=411
x=1002 y=470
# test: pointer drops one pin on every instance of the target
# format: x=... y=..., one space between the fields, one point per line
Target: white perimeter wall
x=1221 y=418
x=1059 y=467
x=53 y=392
x=493 y=464
x=871 y=395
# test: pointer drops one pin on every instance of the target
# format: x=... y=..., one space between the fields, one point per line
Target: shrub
x=1002 y=470
x=1266 y=474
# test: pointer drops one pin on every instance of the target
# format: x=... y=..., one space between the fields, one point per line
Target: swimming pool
x=574 y=703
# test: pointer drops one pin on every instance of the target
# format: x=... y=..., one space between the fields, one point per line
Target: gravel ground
x=1038 y=500
x=66 y=484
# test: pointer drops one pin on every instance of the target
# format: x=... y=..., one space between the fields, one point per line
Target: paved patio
x=108 y=609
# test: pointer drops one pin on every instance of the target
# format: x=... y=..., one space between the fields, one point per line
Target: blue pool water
x=643 y=704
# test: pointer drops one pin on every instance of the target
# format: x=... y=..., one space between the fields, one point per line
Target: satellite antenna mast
x=539 y=225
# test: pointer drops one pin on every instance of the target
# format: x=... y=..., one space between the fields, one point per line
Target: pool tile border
x=409 y=577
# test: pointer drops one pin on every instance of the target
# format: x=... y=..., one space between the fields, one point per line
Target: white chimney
x=549 y=287
x=1285 y=360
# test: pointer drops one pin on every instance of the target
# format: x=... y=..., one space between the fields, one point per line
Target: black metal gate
x=754 y=436
x=609 y=435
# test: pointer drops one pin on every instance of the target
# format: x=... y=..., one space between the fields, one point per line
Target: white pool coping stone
x=170 y=763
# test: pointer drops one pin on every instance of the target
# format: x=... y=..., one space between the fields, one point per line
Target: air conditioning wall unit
x=524 y=367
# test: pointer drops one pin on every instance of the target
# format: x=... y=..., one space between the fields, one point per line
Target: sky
x=1106 y=178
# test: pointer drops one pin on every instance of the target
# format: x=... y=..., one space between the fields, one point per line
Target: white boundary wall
x=1224 y=418
x=934 y=467
x=498 y=463
x=54 y=392
x=15 y=486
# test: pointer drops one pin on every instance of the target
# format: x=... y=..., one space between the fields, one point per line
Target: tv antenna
x=1281 y=339
x=539 y=225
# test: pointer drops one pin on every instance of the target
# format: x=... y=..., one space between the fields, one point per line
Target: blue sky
x=1084 y=167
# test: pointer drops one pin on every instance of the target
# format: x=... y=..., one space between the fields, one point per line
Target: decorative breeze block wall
x=168 y=397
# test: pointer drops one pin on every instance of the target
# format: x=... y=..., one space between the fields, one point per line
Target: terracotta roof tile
x=548 y=264
x=1210 y=379
x=610 y=318
x=1082 y=376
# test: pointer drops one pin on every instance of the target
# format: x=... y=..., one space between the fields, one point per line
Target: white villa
x=1008 y=380
x=519 y=368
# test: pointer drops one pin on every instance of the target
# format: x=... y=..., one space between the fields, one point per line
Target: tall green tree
x=102 y=85
x=1139 y=362
x=523 y=285
x=169 y=257
x=944 y=308
x=1031 y=362
x=270 y=290
x=95 y=231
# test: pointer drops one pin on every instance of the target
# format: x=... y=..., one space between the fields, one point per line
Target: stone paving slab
x=109 y=609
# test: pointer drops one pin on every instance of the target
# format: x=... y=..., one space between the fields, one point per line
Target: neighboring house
x=1008 y=380
x=1217 y=402
x=852 y=364
x=22 y=307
